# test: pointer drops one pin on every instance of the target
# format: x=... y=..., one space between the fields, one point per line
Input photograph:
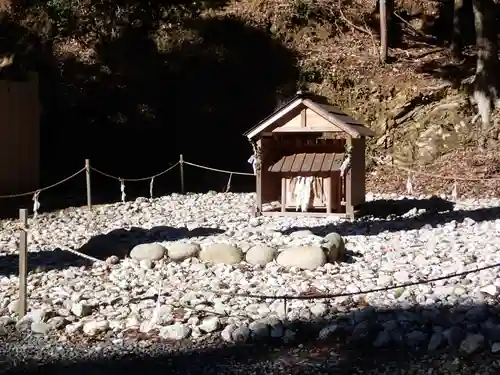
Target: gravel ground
x=38 y=354
x=140 y=301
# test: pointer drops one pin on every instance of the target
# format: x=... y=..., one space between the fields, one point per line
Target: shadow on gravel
x=384 y=208
x=423 y=340
x=406 y=214
x=118 y=242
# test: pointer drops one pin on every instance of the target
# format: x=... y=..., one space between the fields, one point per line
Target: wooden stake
x=23 y=263
x=87 y=176
x=181 y=162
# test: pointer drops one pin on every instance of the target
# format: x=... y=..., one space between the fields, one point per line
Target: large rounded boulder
x=221 y=253
x=148 y=251
x=305 y=257
x=260 y=255
x=335 y=247
x=179 y=251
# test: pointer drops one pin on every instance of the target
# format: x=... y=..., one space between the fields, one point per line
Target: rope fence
x=35 y=194
x=24 y=228
x=135 y=179
x=412 y=173
x=44 y=188
x=181 y=163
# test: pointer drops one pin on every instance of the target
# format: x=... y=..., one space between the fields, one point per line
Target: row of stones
x=305 y=257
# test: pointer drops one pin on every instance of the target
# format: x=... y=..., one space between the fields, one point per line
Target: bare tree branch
x=365 y=29
x=422 y=34
x=350 y=23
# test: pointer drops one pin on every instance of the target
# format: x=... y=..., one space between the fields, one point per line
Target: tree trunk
x=486 y=81
x=384 y=44
x=456 y=37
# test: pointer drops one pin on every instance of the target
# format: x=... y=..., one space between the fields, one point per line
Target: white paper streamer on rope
x=252 y=160
x=345 y=165
x=228 y=186
x=151 y=187
x=409 y=186
x=298 y=192
x=36 y=204
x=304 y=204
x=303 y=193
x=122 y=190
x=454 y=192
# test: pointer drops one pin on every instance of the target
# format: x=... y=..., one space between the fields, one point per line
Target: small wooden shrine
x=309 y=159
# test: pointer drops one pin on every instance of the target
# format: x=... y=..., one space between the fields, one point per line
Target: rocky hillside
x=418 y=103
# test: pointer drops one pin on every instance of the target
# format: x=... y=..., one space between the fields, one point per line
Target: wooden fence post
x=181 y=162
x=23 y=263
x=87 y=177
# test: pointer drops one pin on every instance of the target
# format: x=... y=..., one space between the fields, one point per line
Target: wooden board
x=309 y=214
x=308 y=163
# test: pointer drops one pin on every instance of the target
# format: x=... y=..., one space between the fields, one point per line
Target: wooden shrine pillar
x=258 y=178
x=349 y=209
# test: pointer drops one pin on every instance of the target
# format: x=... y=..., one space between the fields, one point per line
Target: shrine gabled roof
x=329 y=112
